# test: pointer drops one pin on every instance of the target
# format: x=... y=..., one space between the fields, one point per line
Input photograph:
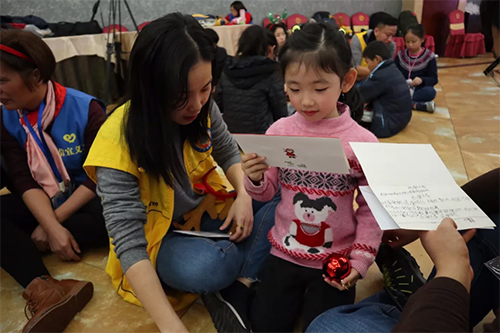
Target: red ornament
x=336 y=267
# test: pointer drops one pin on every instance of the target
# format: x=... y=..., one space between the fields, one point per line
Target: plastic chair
x=342 y=20
x=461 y=44
x=142 y=25
x=295 y=19
x=360 y=21
x=115 y=27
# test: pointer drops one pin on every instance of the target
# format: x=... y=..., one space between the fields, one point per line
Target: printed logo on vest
x=202 y=147
x=69 y=137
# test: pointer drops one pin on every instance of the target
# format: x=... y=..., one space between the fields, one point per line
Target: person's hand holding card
x=254 y=167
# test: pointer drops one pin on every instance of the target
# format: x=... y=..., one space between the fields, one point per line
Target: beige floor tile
x=480 y=163
x=197 y=320
x=478 y=135
x=97 y=258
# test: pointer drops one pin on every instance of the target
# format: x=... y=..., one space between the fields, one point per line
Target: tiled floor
x=464 y=130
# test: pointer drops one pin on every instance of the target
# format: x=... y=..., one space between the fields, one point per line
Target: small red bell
x=336 y=267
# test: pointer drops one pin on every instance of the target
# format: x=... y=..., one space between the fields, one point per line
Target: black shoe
x=402 y=275
x=229 y=308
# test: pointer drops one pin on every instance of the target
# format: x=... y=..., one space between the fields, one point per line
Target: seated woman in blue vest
x=154 y=161
x=46 y=131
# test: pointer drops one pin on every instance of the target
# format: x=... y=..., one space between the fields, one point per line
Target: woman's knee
x=204 y=267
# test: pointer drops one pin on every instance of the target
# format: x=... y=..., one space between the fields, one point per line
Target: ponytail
x=354 y=101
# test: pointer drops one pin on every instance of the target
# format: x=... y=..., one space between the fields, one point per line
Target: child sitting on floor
x=386 y=91
x=419 y=67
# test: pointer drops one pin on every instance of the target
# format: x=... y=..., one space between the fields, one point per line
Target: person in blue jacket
x=46 y=132
x=385 y=92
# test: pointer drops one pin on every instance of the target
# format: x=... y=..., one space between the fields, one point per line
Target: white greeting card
x=306 y=153
x=413 y=186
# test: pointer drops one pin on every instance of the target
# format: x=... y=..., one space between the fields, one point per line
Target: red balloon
x=336 y=267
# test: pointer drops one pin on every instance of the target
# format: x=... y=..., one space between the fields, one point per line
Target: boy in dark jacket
x=385 y=92
x=251 y=93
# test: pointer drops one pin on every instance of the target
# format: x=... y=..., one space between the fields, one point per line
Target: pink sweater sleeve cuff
x=255 y=191
x=361 y=265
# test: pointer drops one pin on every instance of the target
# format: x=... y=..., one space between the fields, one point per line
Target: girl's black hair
x=274 y=26
x=416 y=29
x=238 y=5
x=322 y=46
x=252 y=42
x=160 y=61
x=271 y=39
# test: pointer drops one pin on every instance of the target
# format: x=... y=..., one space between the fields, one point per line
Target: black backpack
x=61 y=29
x=405 y=19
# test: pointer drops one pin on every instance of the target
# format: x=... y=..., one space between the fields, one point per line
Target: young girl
x=419 y=67
x=251 y=91
x=280 y=32
x=235 y=12
x=315 y=216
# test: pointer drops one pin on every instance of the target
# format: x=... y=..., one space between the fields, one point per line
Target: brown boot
x=54 y=303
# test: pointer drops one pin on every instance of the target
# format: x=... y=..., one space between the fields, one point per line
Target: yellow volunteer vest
x=361 y=38
x=110 y=150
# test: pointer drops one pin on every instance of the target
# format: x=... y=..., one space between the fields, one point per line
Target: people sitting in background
x=419 y=67
x=385 y=92
x=385 y=30
x=236 y=8
x=46 y=133
x=280 y=31
x=272 y=48
x=251 y=90
x=220 y=57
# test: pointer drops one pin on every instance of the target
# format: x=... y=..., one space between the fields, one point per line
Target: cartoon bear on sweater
x=310 y=232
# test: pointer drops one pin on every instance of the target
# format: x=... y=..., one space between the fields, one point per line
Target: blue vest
x=67 y=132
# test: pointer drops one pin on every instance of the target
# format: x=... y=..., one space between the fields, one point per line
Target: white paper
x=384 y=220
x=414 y=187
x=205 y=234
x=306 y=153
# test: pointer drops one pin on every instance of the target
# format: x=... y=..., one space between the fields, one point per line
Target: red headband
x=16 y=53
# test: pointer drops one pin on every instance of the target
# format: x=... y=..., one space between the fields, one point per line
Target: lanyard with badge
x=40 y=140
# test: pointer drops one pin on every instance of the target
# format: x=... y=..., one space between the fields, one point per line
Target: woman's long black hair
x=322 y=46
x=160 y=61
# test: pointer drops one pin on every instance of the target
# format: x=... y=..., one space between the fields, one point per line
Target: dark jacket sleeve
x=219 y=97
x=441 y=305
x=431 y=77
x=96 y=118
x=371 y=88
x=277 y=97
x=16 y=161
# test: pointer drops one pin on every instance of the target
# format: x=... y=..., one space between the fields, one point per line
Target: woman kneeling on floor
x=47 y=130
x=154 y=163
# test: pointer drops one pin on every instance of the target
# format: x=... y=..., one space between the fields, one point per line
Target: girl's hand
x=241 y=213
x=416 y=82
x=254 y=167
x=346 y=283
